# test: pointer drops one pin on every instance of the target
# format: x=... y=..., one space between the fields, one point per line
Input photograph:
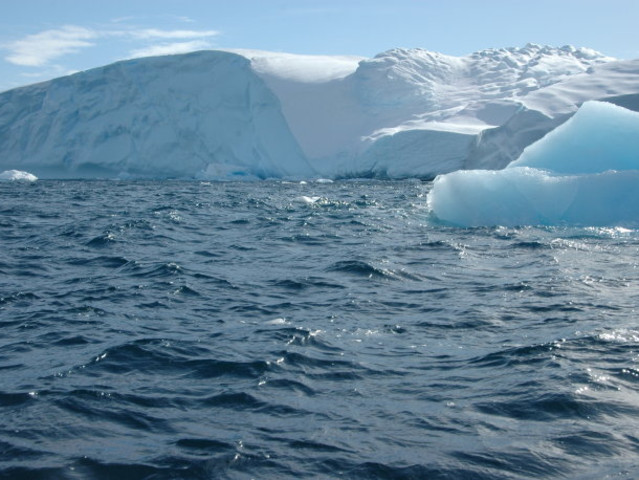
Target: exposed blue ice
x=585 y=172
x=599 y=137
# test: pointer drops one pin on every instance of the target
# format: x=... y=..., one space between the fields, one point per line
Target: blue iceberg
x=584 y=173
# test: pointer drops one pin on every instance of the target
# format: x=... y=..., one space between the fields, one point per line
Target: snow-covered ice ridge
x=255 y=114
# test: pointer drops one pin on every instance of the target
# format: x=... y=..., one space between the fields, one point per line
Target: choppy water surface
x=271 y=330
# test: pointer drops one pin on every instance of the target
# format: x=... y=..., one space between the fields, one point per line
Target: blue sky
x=43 y=39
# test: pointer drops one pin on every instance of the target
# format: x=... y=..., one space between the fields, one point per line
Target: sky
x=44 y=39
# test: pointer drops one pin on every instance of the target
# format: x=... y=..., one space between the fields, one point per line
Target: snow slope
x=420 y=113
x=546 y=108
x=585 y=172
x=403 y=113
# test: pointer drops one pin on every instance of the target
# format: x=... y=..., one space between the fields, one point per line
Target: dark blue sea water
x=169 y=330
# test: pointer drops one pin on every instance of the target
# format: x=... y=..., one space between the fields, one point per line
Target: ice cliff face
x=403 y=113
x=205 y=114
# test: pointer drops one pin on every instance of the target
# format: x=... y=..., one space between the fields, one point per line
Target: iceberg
x=248 y=114
x=17 y=175
x=204 y=115
x=409 y=113
x=584 y=173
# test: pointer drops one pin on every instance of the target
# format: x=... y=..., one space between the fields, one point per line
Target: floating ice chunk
x=585 y=172
x=308 y=200
x=276 y=321
x=12 y=175
x=527 y=196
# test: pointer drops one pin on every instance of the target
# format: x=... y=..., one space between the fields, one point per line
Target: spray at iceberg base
x=583 y=173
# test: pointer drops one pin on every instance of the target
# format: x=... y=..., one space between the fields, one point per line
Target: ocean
x=274 y=330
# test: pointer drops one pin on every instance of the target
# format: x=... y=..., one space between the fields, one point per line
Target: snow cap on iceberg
x=585 y=172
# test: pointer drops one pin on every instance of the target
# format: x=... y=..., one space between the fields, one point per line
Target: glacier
x=584 y=173
x=250 y=114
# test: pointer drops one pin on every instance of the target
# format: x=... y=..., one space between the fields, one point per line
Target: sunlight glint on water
x=236 y=330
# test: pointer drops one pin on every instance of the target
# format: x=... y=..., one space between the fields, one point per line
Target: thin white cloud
x=154 y=33
x=48 y=72
x=122 y=19
x=40 y=48
x=311 y=11
x=171 y=48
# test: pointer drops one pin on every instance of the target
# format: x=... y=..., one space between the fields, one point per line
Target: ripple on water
x=223 y=330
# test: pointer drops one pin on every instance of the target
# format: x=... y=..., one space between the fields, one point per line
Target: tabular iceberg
x=200 y=115
x=251 y=114
x=585 y=172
